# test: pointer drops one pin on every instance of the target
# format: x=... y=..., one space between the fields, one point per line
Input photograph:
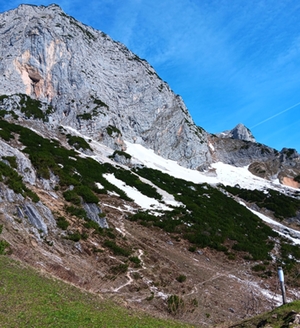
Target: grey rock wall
x=93 y=211
x=93 y=82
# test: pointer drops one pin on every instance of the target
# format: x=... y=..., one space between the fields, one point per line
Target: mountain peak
x=51 y=6
x=36 y=8
x=239 y=132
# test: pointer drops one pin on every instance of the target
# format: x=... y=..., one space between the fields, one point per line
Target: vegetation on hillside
x=78 y=142
x=210 y=218
x=281 y=317
x=49 y=156
x=32 y=108
x=281 y=205
x=10 y=177
x=28 y=299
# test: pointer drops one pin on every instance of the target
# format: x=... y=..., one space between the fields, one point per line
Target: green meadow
x=30 y=299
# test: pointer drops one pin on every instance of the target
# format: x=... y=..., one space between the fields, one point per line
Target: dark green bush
x=76 y=211
x=62 y=223
x=181 y=278
x=78 y=142
x=100 y=103
x=297 y=178
x=135 y=260
x=112 y=129
x=76 y=236
x=118 y=269
x=72 y=197
x=117 y=250
x=258 y=267
x=3 y=245
x=2 y=97
x=84 y=236
x=120 y=153
x=5 y=135
x=175 y=304
x=110 y=234
x=85 y=116
x=12 y=161
x=90 y=224
x=3 y=112
x=86 y=193
x=34 y=197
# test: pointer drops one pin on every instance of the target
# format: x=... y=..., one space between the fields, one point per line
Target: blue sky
x=232 y=61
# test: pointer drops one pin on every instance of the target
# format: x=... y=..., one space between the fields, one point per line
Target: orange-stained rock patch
x=290 y=182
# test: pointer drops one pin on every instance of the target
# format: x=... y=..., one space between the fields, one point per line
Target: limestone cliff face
x=95 y=84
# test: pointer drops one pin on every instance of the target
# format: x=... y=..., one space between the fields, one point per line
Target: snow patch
x=143 y=201
x=281 y=229
x=225 y=174
x=99 y=185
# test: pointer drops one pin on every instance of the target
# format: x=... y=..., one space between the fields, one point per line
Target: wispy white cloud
x=275 y=115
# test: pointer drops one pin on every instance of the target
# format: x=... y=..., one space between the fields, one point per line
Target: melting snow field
x=140 y=199
x=289 y=233
x=224 y=173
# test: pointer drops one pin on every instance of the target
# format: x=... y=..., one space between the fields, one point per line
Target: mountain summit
x=240 y=132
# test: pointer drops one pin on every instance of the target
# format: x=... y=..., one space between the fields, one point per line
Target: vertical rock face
x=93 y=211
x=94 y=82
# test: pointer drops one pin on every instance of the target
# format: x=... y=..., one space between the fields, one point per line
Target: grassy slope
x=28 y=299
x=281 y=317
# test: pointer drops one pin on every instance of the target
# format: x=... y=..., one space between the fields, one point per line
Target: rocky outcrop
x=36 y=217
x=95 y=214
x=263 y=161
x=24 y=165
x=241 y=153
